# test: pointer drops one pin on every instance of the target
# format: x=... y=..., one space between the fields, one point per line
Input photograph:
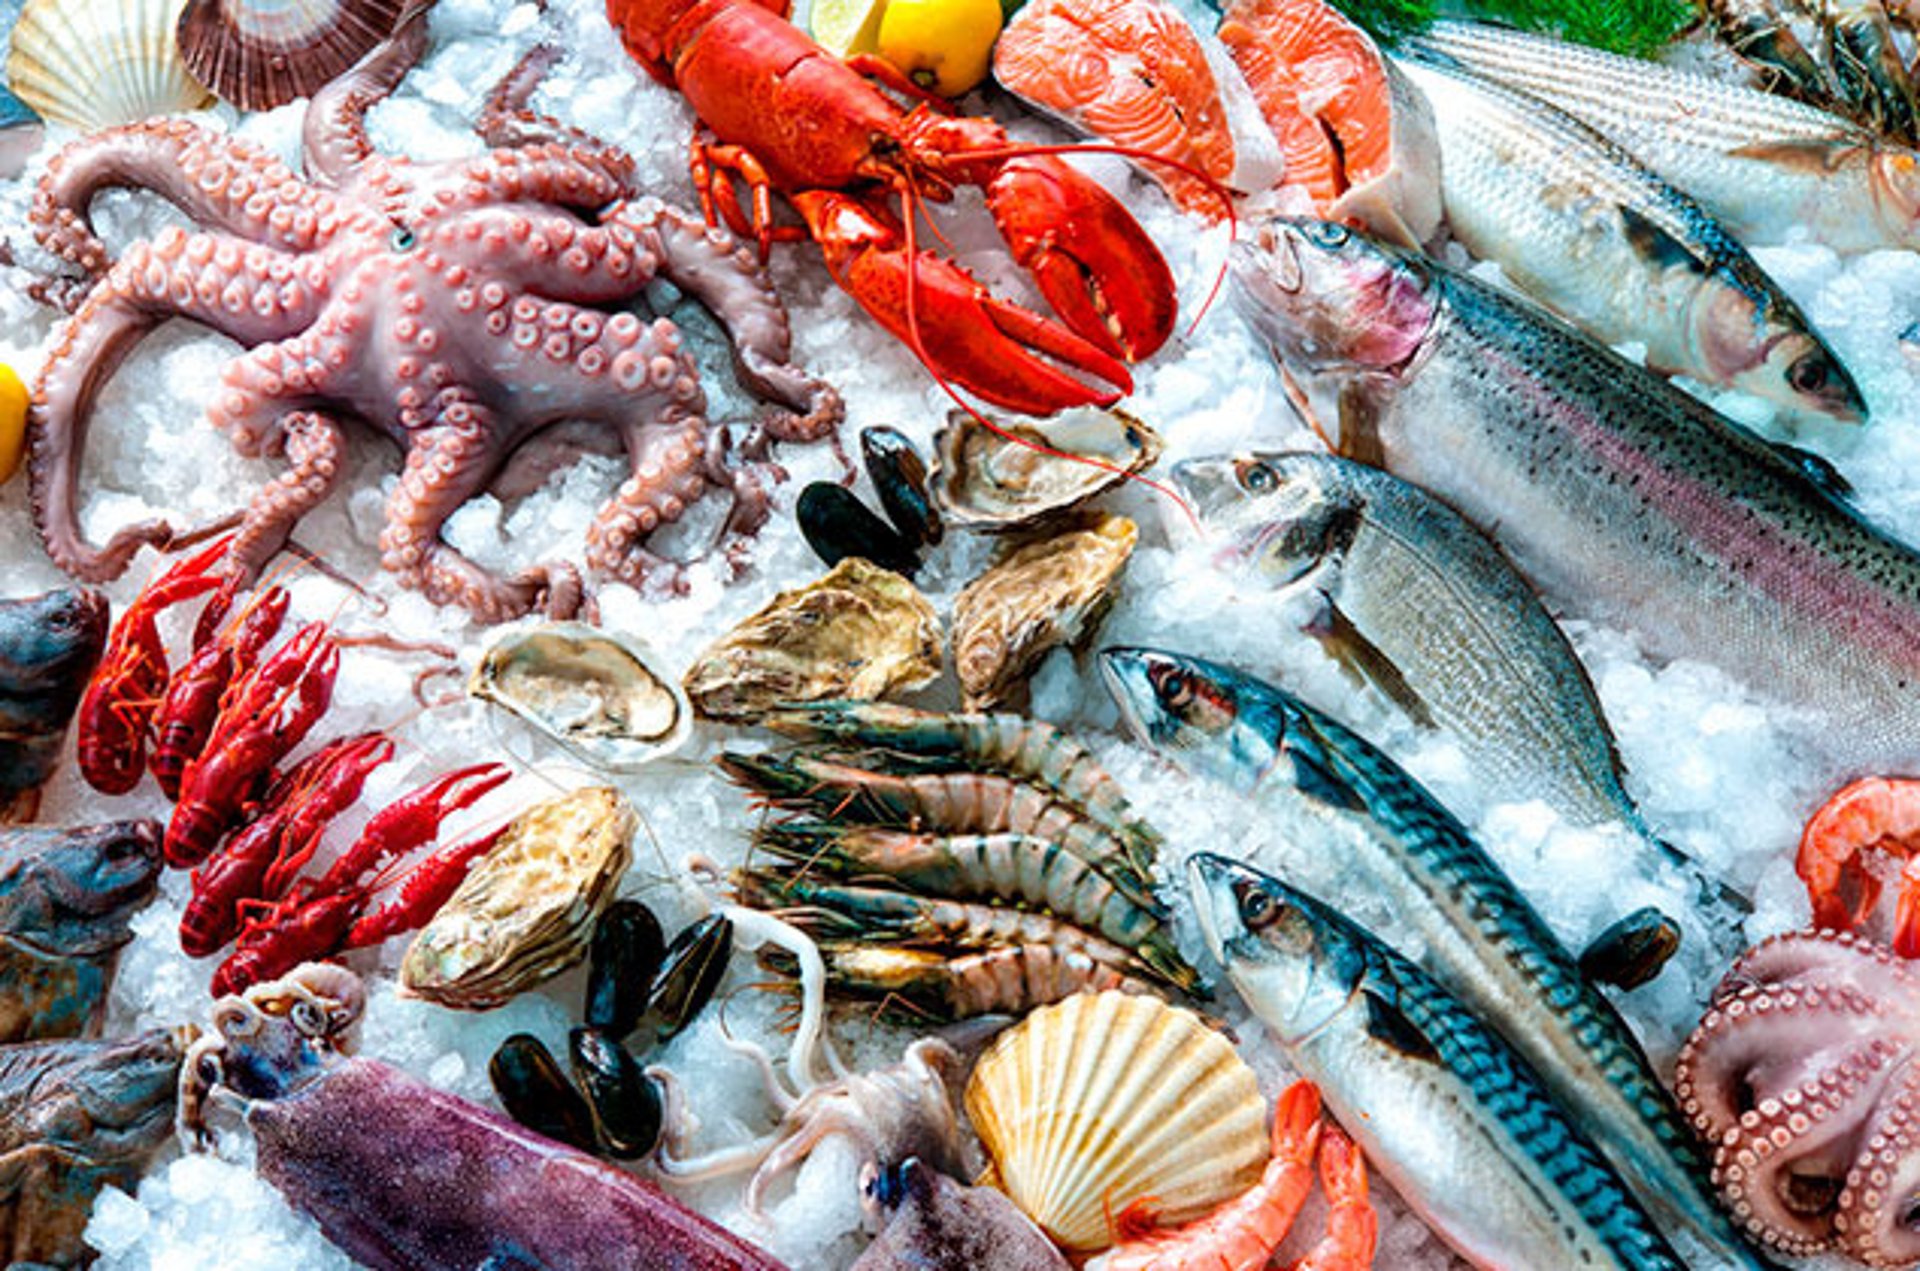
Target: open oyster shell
x=590 y=690
x=1046 y=593
x=1108 y=1098
x=986 y=482
x=860 y=632
x=528 y=909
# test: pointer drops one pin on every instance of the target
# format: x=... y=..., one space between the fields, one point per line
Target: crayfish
x=786 y=115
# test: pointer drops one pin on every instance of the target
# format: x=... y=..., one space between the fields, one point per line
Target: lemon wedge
x=13 y=421
x=846 y=27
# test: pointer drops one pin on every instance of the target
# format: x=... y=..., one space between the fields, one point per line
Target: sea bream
x=1445 y=1110
x=1620 y=497
x=1763 y=164
x=1585 y=229
x=1425 y=607
x=1326 y=787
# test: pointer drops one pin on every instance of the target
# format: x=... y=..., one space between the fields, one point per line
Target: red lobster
x=288 y=923
x=786 y=115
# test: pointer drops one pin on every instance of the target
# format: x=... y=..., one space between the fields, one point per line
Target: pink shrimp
x=1873 y=812
x=1242 y=1234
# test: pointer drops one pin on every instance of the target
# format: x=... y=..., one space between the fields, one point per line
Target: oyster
x=859 y=632
x=588 y=689
x=1102 y=1100
x=1049 y=592
x=986 y=482
x=528 y=909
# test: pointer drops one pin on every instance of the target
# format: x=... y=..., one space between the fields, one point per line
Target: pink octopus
x=455 y=306
x=1802 y=1077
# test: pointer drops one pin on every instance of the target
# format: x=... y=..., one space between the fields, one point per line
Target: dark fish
x=49 y=645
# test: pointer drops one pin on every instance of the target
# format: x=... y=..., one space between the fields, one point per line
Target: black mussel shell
x=625 y=956
x=899 y=477
x=836 y=525
x=625 y=1100
x=537 y=1094
x=695 y=961
x=1631 y=951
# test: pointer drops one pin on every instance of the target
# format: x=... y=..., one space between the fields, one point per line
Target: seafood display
x=67 y=899
x=49 y=645
x=1801 y=1077
x=352 y=288
x=76 y=1117
x=818 y=863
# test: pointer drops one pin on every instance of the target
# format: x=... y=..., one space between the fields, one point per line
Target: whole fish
x=1582 y=227
x=1454 y=1119
x=1762 y=164
x=1424 y=606
x=49 y=645
x=1331 y=788
x=1621 y=497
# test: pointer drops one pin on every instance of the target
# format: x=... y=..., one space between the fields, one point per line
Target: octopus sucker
x=354 y=290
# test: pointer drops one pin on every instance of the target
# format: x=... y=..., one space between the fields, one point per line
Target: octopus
x=1802 y=1078
x=464 y=308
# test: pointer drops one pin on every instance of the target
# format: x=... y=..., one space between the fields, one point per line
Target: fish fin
x=1803 y=156
x=1632 y=950
x=1360 y=425
x=1387 y=1025
x=1657 y=246
x=1346 y=645
x=1315 y=778
x=1815 y=469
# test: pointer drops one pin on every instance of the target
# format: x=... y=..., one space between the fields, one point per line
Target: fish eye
x=1328 y=234
x=1257 y=908
x=1810 y=374
x=309 y=1019
x=1172 y=686
x=403 y=239
x=210 y=1070
x=1257 y=477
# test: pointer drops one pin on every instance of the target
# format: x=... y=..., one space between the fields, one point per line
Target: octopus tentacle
x=714 y=268
x=1834 y=956
x=547 y=254
x=209 y=278
x=669 y=475
x=1878 y=1217
x=507 y=120
x=218 y=181
x=333 y=134
x=577 y=177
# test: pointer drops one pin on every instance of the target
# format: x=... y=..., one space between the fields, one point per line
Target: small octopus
x=461 y=307
x=1802 y=1078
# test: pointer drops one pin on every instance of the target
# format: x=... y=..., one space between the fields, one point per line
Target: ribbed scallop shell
x=92 y=64
x=259 y=54
x=1105 y=1099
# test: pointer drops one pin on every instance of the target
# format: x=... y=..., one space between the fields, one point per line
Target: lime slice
x=846 y=27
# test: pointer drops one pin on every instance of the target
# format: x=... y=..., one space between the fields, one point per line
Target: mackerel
x=1443 y=1108
x=1620 y=497
x=1582 y=227
x=1483 y=940
x=1761 y=163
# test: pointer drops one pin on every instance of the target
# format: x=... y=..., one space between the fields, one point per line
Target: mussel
x=624 y=958
x=625 y=1101
x=695 y=961
x=536 y=1093
x=837 y=525
x=899 y=477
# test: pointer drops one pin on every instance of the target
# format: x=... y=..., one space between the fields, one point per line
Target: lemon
x=13 y=421
x=846 y=27
x=942 y=45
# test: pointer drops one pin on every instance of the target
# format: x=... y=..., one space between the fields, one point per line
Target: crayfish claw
x=1092 y=261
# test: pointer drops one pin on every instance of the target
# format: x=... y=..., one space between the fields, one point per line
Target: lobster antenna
x=910 y=202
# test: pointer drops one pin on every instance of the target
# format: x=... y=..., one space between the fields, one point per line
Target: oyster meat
x=986 y=482
x=858 y=632
x=528 y=909
x=1046 y=593
x=590 y=690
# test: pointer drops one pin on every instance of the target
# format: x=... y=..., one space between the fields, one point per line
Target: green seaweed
x=1636 y=27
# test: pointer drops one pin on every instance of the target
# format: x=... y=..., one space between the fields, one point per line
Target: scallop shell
x=528 y=909
x=92 y=64
x=860 y=632
x=1044 y=594
x=590 y=690
x=259 y=54
x=1104 y=1099
x=986 y=482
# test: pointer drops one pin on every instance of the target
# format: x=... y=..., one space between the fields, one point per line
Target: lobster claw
x=1093 y=262
x=968 y=336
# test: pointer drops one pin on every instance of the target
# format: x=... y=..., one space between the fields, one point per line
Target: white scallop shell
x=92 y=64
x=1108 y=1098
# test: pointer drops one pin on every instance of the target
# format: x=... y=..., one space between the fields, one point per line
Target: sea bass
x=1445 y=1110
x=1621 y=497
x=1582 y=227
x=1332 y=788
x=1762 y=164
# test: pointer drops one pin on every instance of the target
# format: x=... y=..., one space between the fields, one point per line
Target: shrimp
x=1873 y=812
x=1243 y=1233
x=1011 y=979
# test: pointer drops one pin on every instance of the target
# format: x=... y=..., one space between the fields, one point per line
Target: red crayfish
x=786 y=115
